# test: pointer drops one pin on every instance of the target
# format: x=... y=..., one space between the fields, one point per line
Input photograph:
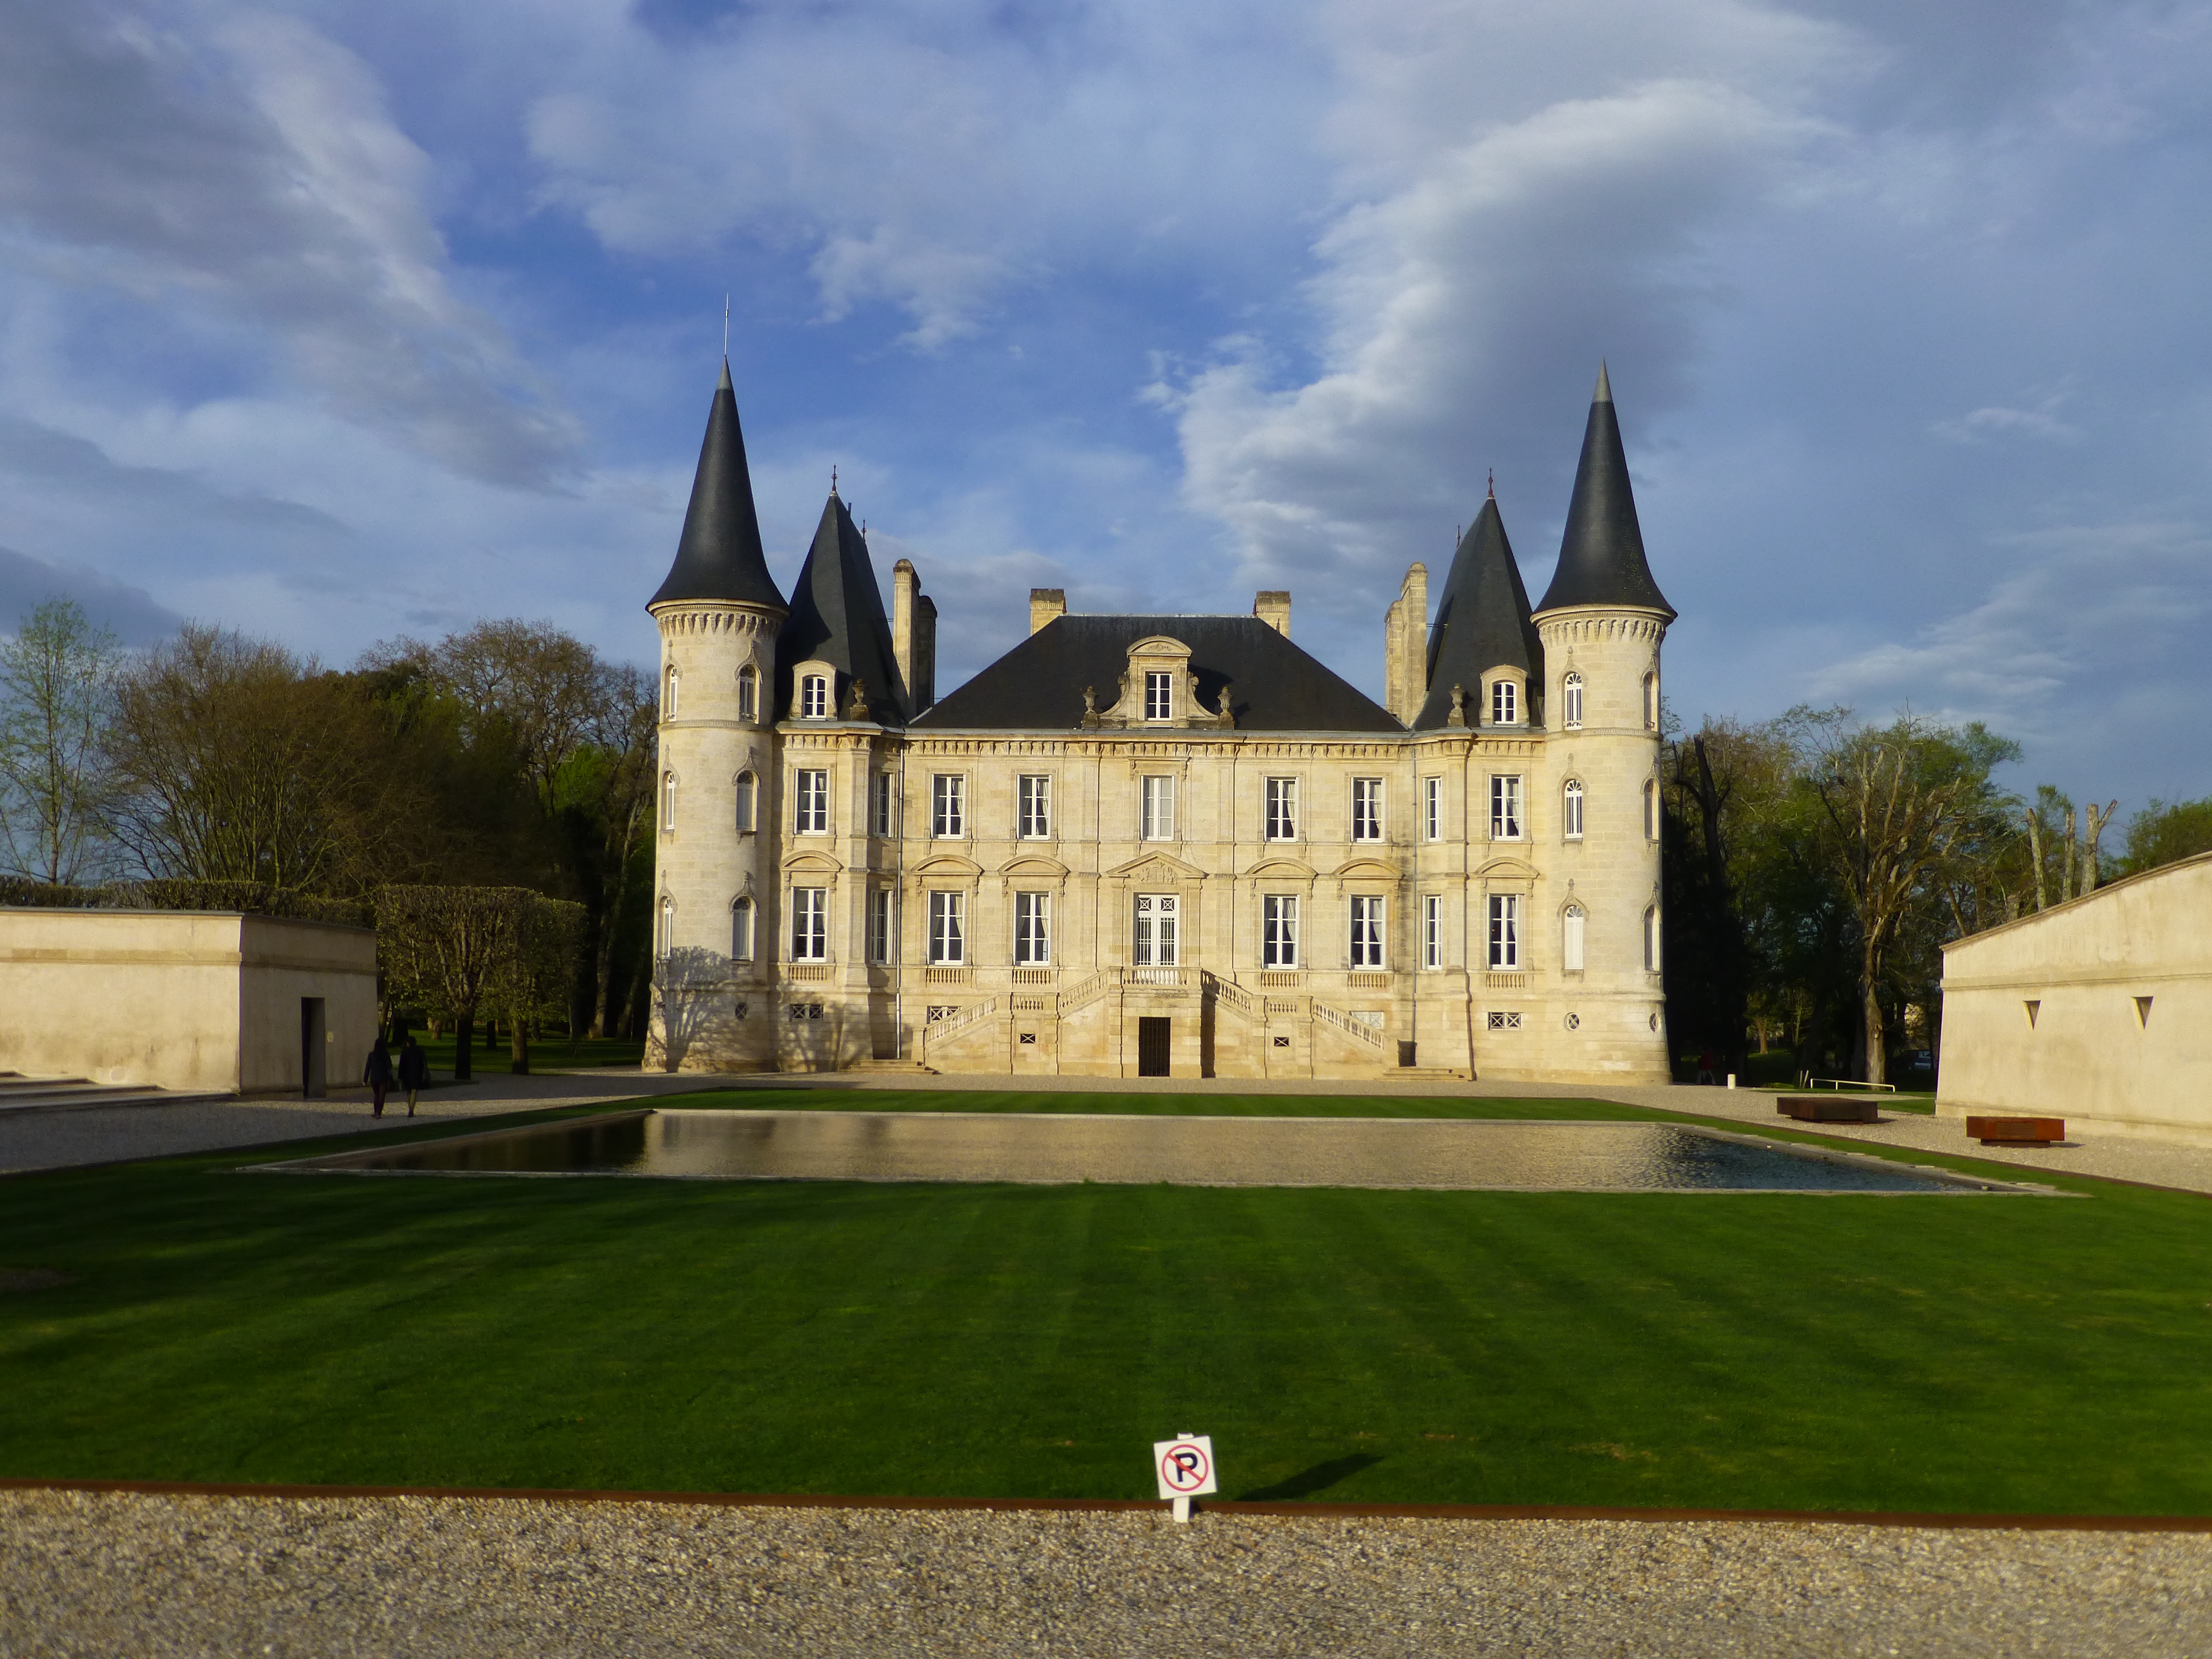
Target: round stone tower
x=714 y=885
x=1601 y=623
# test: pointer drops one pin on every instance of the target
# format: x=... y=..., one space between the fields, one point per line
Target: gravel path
x=84 y=1574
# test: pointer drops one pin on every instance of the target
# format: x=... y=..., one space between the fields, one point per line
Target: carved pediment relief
x=947 y=864
x=1156 y=867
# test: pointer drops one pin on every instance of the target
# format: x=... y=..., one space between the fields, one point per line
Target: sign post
x=1185 y=1468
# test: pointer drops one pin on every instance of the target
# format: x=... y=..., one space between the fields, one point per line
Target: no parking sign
x=1185 y=1468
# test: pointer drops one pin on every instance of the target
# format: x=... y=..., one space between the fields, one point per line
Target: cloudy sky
x=332 y=322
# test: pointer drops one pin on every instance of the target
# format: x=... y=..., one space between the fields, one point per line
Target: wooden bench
x=2015 y=1131
x=1828 y=1108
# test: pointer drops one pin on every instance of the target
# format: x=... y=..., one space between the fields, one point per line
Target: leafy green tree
x=455 y=953
x=57 y=704
x=2164 y=832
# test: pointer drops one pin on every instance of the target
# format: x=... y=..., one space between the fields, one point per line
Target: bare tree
x=1899 y=801
x=56 y=701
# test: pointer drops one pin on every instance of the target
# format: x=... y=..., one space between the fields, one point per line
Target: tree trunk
x=519 y=1048
x=2066 y=865
x=610 y=920
x=2035 y=853
x=1873 y=1027
x=464 y=1043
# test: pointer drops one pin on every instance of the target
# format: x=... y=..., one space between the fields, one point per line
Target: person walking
x=414 y=1071
x=378 y=1074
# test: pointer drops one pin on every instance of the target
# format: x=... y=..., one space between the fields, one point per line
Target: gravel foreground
x=109 y=1574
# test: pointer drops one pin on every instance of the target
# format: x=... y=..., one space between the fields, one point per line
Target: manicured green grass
x=554 y=1053
x=1735 y=1351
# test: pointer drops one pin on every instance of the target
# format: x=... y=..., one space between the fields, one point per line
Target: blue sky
x=335 y=322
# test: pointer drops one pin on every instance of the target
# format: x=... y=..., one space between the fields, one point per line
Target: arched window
x=1651 y=939
x=748 y=693
x=748 y=802
x=668 y=693
x=1651 y=809
x=1651 y=702
x=666 y=942
x=1572 y=816
x=667 y=802
x=1572 y=695
x=741 y=931
x=814 y=697
x=1571 y=938
x=1504 y=701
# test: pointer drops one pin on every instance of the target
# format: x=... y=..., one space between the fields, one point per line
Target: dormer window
x=1504 y=701
x=814 y=697
x=1159 y=696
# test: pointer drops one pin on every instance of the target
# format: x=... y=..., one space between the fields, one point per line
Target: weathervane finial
x=726 y=326
x=1493 y=483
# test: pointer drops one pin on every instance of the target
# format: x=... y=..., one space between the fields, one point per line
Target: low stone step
x=92 y=1096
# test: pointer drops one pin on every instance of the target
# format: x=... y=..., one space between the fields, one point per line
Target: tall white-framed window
x=948 y=806
x=810 y=924
x=749 y=693
x=948 y=928
x=1367 y=809
x=881 y=822
x=1278 y=930
x=814 y=697
x=667 y=803
x=741 y=930
x=1504 y=701
x=1571 y=938
x=1571 y=698
x=1432 y=931
x=1504 y=930
x=1032 y=930
x=1158 y=795
x=1033 y=807
x=1153 y=936
x=1160 y=695
x=810 y=803
x=1651 y=701
x=1282 y=809
x=1651 y=939
x=665 y=940
x=1505 y=822
x=881 y=929
x=1570 y=809
x=748 y=802
x=672 y=688
x=1366 y=930
x=1432 y=809
x=1651 y=809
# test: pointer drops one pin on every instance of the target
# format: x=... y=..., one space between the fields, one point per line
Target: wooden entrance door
x=1152 y=1047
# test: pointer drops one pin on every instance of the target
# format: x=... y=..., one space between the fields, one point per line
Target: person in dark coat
x=414 y=1071
x=378 y=1074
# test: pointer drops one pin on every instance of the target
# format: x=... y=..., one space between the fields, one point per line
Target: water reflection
x=1182 y=1151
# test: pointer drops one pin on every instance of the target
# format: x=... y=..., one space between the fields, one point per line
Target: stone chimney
x=906 y=588
x=1406 y=646
x=1272 y=607
x=1046 y=603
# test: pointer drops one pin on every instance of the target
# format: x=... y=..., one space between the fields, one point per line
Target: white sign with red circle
x=1185 y=1466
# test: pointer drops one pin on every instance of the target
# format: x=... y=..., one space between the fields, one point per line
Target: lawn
x=1732 y=1350
x=553 y=1054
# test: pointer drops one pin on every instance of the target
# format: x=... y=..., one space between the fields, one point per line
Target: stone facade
x=1168 y=846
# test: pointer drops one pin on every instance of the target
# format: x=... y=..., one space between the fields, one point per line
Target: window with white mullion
x=1158 y=808
x=1505 y=808
x=1278 y=930
x=1572 y=813
x=1504 y=931
x=810 y=802
x=1159 y=696
x=1432 y=931
x=1282 y=814
x=1032 y=930
x=948 y=806
x=1432 y=809
x=1034 y=809
x=1367 y=809
x=948 y=929
x=1366 y=931
x=810 y=924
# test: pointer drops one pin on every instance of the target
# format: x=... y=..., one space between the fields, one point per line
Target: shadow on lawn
x=1307 y=1482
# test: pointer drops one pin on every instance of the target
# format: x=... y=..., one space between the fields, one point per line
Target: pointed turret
x=718 y=556
x=837 y=618
x=1601 y=557
x=1482 y=623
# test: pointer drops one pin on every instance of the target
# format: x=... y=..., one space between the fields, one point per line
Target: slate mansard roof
x=1273 y=686
x=837 y=616
x=719 y=556
x=1602 y=555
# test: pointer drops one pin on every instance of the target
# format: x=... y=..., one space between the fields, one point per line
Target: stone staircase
x=19 y=1093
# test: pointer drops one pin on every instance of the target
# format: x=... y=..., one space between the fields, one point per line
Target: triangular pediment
x=1156 y=867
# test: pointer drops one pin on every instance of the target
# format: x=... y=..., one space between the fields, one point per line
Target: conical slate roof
x=837 y=616
x=1602 y=555
x=1482 y=621
x=720 y=555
